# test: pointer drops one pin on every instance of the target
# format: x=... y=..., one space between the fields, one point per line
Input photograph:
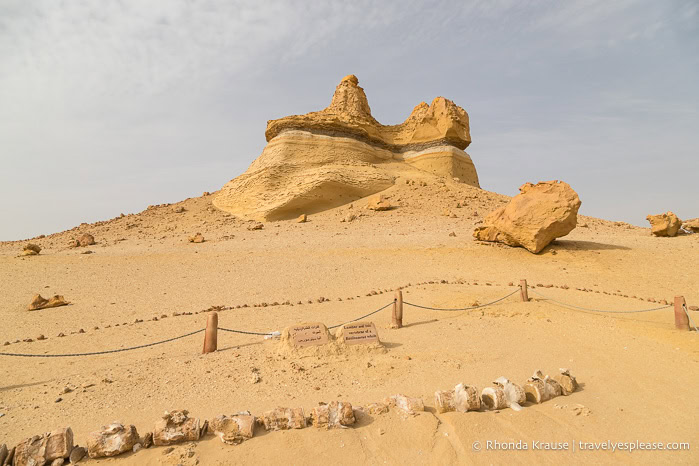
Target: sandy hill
x=144 y=282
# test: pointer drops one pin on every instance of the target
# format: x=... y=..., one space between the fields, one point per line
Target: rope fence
x=462 y=308
x=683 y=320
x=364 y=316
x=94 y=353
x=689 y=318
x=597 y=310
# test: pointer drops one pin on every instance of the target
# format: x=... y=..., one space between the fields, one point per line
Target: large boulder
x=111 y=440
x=31 y=249
x=536 y=216
x=691 y=225
x=332 y=157
x=666 y=224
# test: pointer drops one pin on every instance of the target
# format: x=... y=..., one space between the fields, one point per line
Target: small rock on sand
x=198 y=238
x=379 y=203
x=38 y=302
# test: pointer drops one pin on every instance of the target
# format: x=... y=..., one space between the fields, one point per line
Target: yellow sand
x=639 y=376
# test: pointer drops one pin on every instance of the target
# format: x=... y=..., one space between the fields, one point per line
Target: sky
x=108 y=106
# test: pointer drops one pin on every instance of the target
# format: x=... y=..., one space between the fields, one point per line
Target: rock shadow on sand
x=578 y=245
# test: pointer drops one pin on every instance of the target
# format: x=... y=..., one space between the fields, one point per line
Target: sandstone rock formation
x=176 y=427
x=111 y=440
x=666 y=224
x=691 y=225
x=324 y=159
x=539 y=214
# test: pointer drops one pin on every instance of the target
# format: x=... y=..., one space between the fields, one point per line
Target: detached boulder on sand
x=31 y=249
x=42 y=303
x=198 y=238
x=539 y=214
x=691 y=225
x=666 y=224
x=85 y=240
x=379 y=203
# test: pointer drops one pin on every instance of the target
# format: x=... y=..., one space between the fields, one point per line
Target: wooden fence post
x=523 y=291
x=211 y=333
x=681 y=321
x=397 y=316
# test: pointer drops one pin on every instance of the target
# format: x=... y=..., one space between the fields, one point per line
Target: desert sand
x=158 y=274
x=637 y=373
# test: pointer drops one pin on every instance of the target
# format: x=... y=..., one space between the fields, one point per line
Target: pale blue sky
x=109 y=106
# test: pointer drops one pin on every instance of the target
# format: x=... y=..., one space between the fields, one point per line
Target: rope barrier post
x=211 y=333
x=681 y=320
x=523 y=290
x=397 y=316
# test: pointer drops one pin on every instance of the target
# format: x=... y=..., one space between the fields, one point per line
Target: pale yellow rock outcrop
x=667 y=224
x=325 y=159
x=536 y=216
